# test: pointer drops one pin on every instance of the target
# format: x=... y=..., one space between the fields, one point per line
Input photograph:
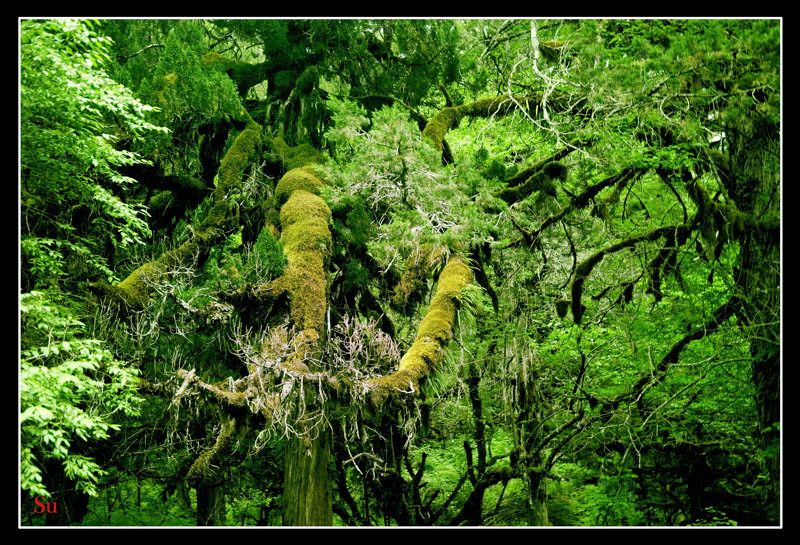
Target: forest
x=399 y=272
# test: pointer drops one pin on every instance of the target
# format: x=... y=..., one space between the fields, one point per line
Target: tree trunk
x=307 y=486
x=754 y=152
x=210 y=505
x=760 y=280
x=537 y=501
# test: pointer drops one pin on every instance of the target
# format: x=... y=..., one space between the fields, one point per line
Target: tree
x=566 y=232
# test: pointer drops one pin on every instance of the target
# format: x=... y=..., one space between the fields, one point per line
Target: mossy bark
x=207 y=481
x=307 y=242
x=134 y=290
x=540 y=180
x=448 y=117
x=435 y=331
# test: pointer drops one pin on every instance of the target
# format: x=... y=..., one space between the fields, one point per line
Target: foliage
x=72 y=391
x=73 y=118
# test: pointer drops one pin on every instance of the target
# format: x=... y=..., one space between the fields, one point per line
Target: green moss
x=541 y=180
x=440 y=124
x=161 y=202
x=236 y=159
x=486 y=107
x=307 y=242
x=298 y=178
x=266 y=260
x=435 y=330
x=296 y=157
x=304 y=206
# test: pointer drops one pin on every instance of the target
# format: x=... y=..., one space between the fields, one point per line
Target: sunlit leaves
x=71 y=388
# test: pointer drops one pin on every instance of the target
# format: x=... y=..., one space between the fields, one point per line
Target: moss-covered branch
x=524 y=175
x=219 y=390
x=435 y=330
x=583 y=270
x=411 y=288
x=307 y=242
x=449 y=117
x=202 y=470
x=134 y=290
x=244 y=75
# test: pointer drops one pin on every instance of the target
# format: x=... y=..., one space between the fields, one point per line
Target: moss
x=298 y=178
x=541 y=180
x=304 y=206
x=160 y=203
x=440 y=124
x=203 y=470
x=134 y=290
x=307 y=242
x=236 y=159
x=486 y=107
x=435 y=330
x=296 y=157
x=411 y=288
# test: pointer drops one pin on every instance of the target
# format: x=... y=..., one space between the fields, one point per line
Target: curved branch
x=435 y=331
x=134 y=291
x=648 y=380
x=202 y=470
x=523 y=175
x=579 y=201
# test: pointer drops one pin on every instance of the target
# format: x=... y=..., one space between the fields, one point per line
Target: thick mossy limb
x=244 y=74
x=448 y=117
x=135 y=289
x=298 y=178
x=295 y=157
x=440 y=124
x=307 y=242
x=435 y=330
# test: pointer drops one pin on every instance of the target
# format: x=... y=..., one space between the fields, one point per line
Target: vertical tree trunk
x=537 y=501
x=760 y=280
x=755 y=169
x=210 y=505
x=307 y=487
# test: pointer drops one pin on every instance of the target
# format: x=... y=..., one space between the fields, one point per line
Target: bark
x=210 y=505
x=307 y=484
x=755 y=181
